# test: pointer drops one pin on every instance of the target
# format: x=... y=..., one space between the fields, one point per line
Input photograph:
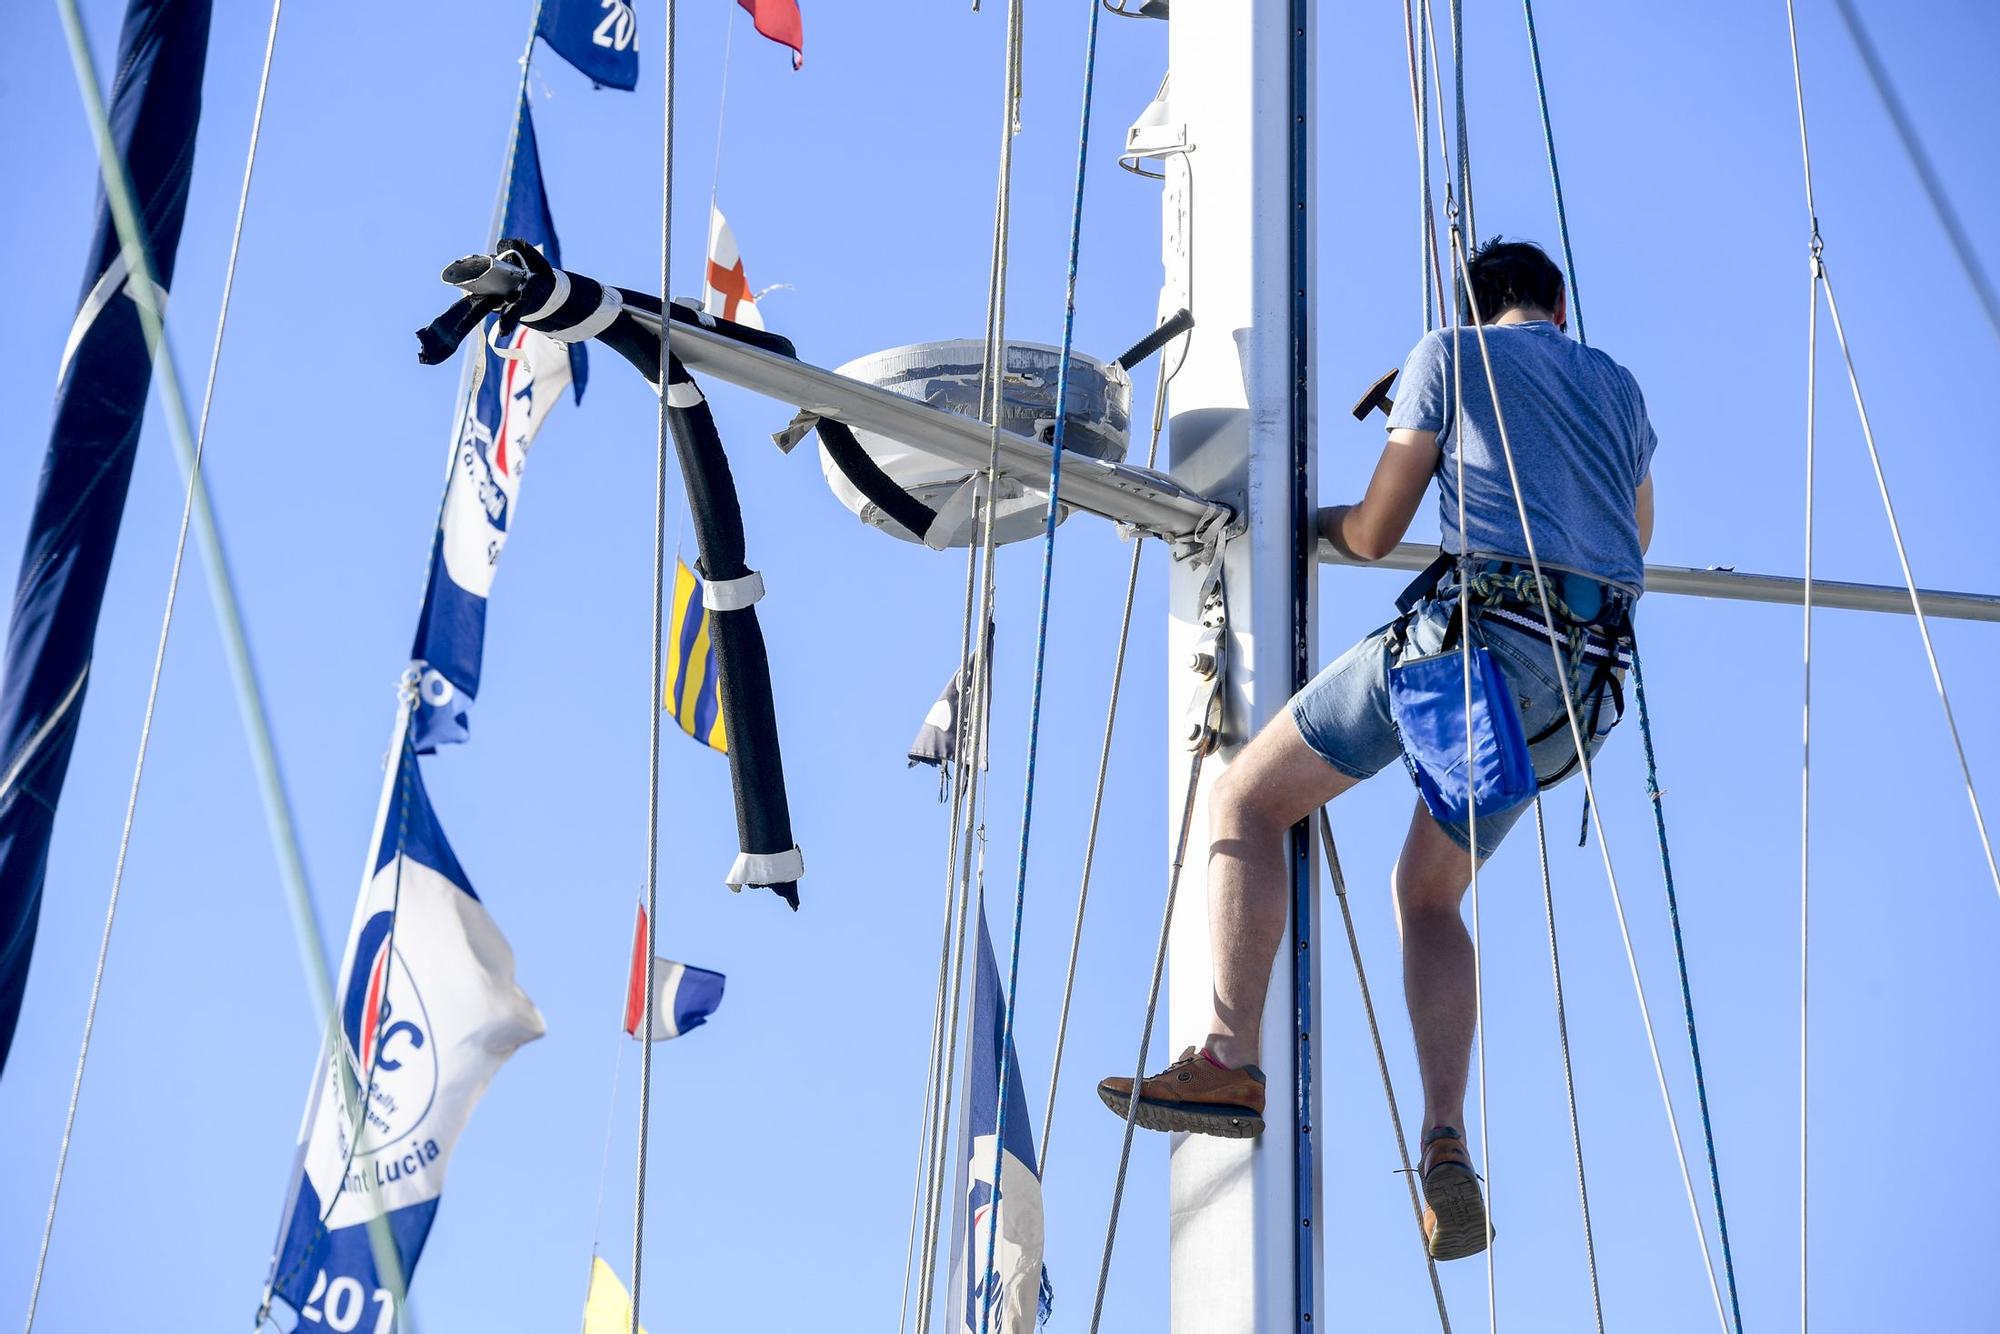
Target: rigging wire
x=979 y=568
x=1054 y=514
x=1875 y=462
x=1146 y=1033
x=1465 y=661
x=1805 y=780
x=1458 y=101
x=1584 y=768
x=196 y=514
x=1426 y=227
x=1408 y=1173
x=1913 y=148
x=1653 y=791
x=1103 y=767
x=1569 y=1073
x=656 y=642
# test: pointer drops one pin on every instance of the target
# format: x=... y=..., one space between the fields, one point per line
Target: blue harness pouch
x=1427 y=703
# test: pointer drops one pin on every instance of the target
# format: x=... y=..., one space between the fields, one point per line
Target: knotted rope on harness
x=524 y=290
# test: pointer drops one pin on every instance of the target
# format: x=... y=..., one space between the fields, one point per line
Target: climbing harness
x=1574 y=722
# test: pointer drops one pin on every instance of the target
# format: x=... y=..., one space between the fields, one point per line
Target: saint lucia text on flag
x=1018 y=1287
x=516 y=385
x=726 y=289
x=428 y=1011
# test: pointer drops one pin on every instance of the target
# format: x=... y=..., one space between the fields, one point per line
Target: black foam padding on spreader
x=869 y=479
x=749 y=714
x=743 y=666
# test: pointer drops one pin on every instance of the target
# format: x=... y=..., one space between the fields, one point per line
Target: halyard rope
x=1054 y=513
x=1409 y=1174
x=656 y=642
x=1569 y=1075
x=118 y=196
x=1146 y=1033
x=1653 y=791
x=967 y=826
x=1583 y=766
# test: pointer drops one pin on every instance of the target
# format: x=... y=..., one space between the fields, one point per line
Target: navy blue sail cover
x=100 y=400
x=599 y=37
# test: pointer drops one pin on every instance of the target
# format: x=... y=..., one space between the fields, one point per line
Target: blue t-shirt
x=1581 y=440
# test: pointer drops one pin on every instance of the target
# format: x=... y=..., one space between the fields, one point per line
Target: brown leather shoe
x=1194 y=1094
x=1455 y=1223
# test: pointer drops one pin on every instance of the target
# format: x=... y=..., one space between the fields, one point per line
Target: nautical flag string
x=725 y=288
x=428 y=1012
x=692 y=684
x=599 y=37
x=683 y=996
x=517 y=386
x=936 y=741
x=780 y=21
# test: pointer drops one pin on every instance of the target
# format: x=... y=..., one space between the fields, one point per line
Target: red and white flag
x=779 y=20
x=683 y=996
x=725 y=290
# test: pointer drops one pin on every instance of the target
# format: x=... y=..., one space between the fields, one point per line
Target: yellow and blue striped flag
x=692 y=686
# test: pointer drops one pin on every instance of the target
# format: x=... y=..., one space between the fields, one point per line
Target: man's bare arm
x=1642 y=505
x=1370 y=529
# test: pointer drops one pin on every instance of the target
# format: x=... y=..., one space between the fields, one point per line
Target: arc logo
x=387 y=1038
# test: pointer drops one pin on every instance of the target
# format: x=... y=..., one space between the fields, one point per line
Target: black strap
x=1426 y=581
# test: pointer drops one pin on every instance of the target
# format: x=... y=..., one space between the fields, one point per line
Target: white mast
x=1237 y=250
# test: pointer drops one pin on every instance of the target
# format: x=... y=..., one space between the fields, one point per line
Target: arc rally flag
x=428 y=1011
x=1018 y=1287
x=683 y=996
x=515 y=393
x=599 y=37
x=725 y=289
x=692 y=684
x=100 y=399
x=780 y=21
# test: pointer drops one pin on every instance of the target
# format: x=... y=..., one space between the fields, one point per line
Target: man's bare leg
x=1430 y=882
x=1276 y=781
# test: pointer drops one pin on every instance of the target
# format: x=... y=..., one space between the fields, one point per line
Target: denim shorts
x=1343 y=713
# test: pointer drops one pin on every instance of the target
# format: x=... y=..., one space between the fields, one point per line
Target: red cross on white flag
x=725 y=291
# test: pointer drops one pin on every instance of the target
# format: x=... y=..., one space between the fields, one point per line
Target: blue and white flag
x=683 y=996
x=1018 y=1286
x=517 y=386
x=428 y=1011
x=100 y=399
x=599 y=37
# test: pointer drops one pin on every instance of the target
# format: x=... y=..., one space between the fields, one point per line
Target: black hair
x=1506 y=274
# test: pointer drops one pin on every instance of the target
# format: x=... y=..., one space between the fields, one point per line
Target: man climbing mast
x=1583 y=449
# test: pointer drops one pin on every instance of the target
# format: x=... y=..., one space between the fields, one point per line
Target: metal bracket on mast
x=1209 y=660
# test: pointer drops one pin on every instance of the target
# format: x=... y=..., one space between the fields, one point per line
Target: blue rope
x=986 y=1284
x=1645 y=723
x=1687 y=995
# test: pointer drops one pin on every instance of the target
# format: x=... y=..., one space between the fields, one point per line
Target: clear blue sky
x=784 y=1131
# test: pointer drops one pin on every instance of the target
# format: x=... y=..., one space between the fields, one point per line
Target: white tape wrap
x=684 y=395
x=555 y=301
x=765 y=868
x=733 y=594
x=609 y=307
